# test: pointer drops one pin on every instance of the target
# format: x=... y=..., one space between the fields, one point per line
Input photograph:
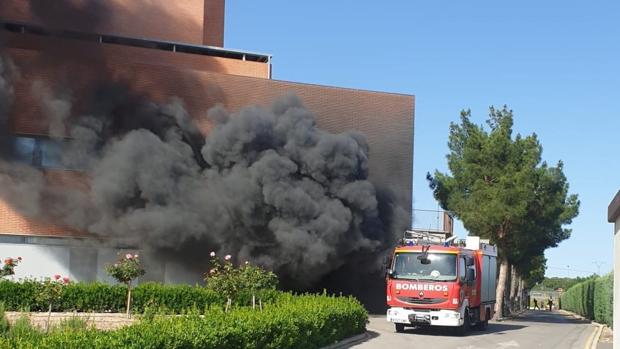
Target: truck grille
x=416 y=300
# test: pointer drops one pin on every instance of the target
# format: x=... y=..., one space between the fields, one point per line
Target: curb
x=348 y=341
x=592 y=341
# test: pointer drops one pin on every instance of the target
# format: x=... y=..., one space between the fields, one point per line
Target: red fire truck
x=432 y=281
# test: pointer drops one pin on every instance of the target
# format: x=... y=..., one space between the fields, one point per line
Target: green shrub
x=304 y=322
x=22 y=331
x=4 y=322
x=101 y=297
x=592 y=299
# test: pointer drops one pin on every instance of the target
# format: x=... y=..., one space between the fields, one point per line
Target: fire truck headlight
x=455 y=301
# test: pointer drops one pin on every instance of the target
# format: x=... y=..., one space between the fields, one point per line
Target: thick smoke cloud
x=265 y=184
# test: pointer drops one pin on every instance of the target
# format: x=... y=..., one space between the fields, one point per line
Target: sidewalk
x=606 y=340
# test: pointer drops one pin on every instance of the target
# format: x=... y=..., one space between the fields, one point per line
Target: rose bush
x=51 y=292
x=8 y=267
x=125 y=270
x=225 y=278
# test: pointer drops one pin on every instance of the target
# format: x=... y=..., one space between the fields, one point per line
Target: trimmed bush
x=592 y=299
x=100 y=297
x=300 y=322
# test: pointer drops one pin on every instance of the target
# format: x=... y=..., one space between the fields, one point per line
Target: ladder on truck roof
x=418 y=237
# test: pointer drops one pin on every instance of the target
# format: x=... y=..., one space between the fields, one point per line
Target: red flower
x=8 y=261
x=65 y=279
x=56 y=277
x=128 y=256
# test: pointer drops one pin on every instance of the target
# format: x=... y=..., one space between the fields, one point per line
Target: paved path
x=533 y=329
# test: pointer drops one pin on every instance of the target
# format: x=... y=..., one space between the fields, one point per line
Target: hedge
x=300 y=322
x=101 y=297
x=592 y=299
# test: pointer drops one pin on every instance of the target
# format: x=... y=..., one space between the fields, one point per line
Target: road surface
x=533 y=329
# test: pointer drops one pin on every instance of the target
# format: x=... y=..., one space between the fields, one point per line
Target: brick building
x=169 y=49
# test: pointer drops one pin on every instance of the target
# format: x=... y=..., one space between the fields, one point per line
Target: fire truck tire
x=482 y=325
x=400 y=328
x=464 y=328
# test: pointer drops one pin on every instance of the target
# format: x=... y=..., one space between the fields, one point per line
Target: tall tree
x=500 y=190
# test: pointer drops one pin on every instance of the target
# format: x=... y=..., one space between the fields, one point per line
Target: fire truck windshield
x=441 y=267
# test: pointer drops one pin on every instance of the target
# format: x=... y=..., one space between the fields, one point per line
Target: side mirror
x=390 y=272
x=387 y=261
x=469 y=276
x=469 y=261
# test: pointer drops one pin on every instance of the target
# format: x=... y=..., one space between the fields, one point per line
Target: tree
x=125 y=270
x=51 y=292
x=500 y=190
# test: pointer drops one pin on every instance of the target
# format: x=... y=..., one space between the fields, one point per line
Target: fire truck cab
x=441 y=282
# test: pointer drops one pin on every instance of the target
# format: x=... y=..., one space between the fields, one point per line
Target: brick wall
x=182 y=21
x=385 y=119
x=13 y=222
x=214 y=23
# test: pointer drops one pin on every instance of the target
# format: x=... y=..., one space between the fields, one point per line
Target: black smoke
x=265 y=184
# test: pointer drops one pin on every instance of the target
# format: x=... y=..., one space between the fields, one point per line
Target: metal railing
x=435 y=221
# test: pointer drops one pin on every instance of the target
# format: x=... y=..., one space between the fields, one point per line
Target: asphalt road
x=533 y=329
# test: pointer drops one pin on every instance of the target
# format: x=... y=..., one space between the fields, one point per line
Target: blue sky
x=555 y=63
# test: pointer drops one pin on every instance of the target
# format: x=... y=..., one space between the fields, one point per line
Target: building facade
x=168 y=49
x=613 y=216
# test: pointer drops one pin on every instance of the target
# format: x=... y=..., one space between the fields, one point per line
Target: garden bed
x=304 y=322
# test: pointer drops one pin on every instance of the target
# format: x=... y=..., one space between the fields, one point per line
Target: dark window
x=39 y=151
x=23 y=148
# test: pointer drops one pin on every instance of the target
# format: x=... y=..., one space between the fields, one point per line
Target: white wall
x=616 y=283
x=44 y=260
x=82 y=260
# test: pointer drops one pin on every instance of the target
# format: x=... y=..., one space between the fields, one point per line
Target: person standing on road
x=550 y=303
x=536 y=304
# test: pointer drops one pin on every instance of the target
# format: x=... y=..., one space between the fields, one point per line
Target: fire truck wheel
x=464 y=328
x=400 y=328
x=482 y=325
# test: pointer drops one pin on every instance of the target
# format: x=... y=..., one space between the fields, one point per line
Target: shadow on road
x=493 y=328
x=552 y=317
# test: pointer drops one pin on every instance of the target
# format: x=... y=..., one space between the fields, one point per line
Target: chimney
x=213 y=34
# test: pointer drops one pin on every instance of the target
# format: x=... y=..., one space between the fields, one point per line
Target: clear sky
x=555 y=63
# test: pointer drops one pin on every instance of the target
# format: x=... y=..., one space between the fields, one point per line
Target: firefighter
x=550 y=303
